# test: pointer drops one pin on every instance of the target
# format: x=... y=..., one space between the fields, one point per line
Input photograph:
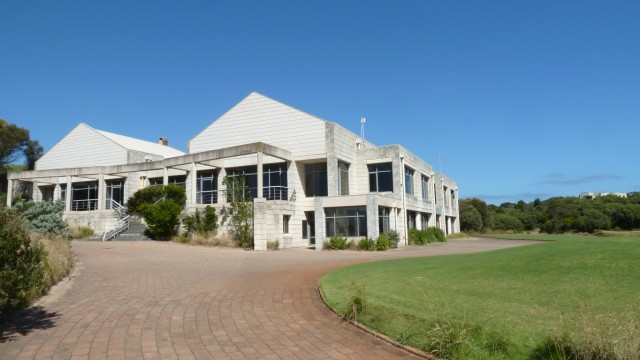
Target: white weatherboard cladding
x=83 y=147
x=260 y=119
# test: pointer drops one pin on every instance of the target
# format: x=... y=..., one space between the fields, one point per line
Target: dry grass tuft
x=221 y=240
x=59 y=260
x=81 y=232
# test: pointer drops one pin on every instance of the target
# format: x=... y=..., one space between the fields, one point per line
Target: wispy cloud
x=563 y=179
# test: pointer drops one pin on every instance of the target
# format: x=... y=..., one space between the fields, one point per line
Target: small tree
x=160 y=206
x=204 y=225
x=239 y=215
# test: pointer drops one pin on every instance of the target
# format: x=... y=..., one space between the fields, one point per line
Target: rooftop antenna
x=362 y=121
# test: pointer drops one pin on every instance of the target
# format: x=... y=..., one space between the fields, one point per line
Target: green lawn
x=509 y=300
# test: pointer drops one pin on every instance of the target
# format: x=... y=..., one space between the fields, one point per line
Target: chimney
x=163 y=141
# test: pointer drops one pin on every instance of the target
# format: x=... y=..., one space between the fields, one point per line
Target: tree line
x=15 y=145
x=554 y=215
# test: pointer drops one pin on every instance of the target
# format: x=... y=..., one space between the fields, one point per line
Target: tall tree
x=13 y=140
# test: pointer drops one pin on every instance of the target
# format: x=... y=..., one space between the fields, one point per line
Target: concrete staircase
x=136 y=231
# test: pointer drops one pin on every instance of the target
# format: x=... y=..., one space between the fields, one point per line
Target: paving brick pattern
x=154 y=300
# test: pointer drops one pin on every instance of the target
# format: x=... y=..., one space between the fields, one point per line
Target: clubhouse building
x=310 y=178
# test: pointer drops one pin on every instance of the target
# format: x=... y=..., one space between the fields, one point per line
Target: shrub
x=383 y=243
x=394 y=238
x=202 y=225
x=162 y=218
x=337 y=243
x=367 y=244
x=160 y=206
x=44 y=217
x=418 y=237
x=22 y=270
x=435 y=234
x=273 y=245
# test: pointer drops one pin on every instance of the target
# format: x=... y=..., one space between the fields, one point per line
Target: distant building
x=311 y=179
x=593 y=195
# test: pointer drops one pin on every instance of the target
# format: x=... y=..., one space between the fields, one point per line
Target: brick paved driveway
x=154 y=300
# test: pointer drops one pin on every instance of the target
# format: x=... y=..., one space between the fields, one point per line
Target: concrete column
x=102 y=192
x=419 y=221
x=319 y=220
x=56 y=192
x=9 y=192
x=260 y=224
x=373 y=229
x=165 y=176
x=221 y=187
x=67 y=199
x=193 y=179
x=260 y=192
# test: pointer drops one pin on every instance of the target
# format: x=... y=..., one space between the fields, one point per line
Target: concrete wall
x=259 y=118
x=82 y=147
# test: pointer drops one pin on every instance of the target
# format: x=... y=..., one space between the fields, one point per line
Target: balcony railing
x=84 y=205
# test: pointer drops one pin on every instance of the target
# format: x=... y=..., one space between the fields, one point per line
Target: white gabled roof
x=149 y=147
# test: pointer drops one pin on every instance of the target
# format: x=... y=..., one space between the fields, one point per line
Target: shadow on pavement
x=25 y=321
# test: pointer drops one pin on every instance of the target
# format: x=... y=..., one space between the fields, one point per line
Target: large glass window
x=384 y=214
x=115 y=192
x=346 y=221
x=274 y=181
x=411 y=219
x=63 y=192
x=380 y=177
x=315 y=179
x=425 y=187
x=424 y=220
x=84 y=196
x=343 y=178
x=250 y=174
x=408 y=181
x=207 y=187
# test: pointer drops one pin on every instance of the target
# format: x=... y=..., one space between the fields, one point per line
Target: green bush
x=160 y=206
x=202 y=225
x=22 y=270
x=367 y=244
x=383 y=243
x=44 y=217
x=394 y=238
x=418 y=237
x=435 y=234
x=337 y=243
x=163 y=218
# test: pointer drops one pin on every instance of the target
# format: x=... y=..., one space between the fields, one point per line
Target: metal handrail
x=117 y=228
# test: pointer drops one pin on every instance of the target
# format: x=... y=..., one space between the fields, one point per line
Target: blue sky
x=512 y=99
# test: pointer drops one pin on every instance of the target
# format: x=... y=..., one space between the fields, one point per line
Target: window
x=250 y=174
x=115 y=192
x=207 y=187
x=411 y=219
x=63 y=192
x=285 y=223
x=408 y=181
x=180 y=180
x=454 y=202
x=274 y=181
x=346 y=221
x=84 y=196
x=315 y=179
x=380 y=177
x=424 y=220
x=383 y=219
x=343 y=178
x=425 y=187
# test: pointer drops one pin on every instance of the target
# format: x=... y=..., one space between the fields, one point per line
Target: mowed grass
x=505 y=303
